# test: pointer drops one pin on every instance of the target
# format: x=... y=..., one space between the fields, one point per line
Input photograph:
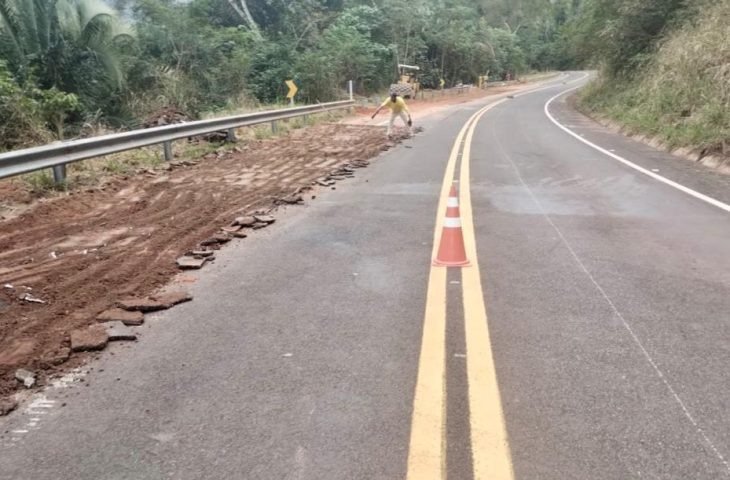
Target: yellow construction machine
x=407 y=86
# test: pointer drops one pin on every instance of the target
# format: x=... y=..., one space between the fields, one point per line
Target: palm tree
x=62 y=43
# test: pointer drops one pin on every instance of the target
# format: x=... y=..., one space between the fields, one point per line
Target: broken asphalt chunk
x=161 y=301
x=27 y=297
x=170 y=299
x=244 y=221
x=58 y=357
x=26 y=377
x=202 y=253
x=133 y=318
x=232 y=229
x=216 y=239
x=117 y=332
x=141 y=304
x=264 y=219
x=239 y=235
x=88 y=339
x=260 y=225
x=191 y=263
x=292 y=199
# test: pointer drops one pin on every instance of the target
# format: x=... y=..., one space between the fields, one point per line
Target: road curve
x=589 y=339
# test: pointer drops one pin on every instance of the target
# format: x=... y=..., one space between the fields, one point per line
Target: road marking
x=655 y=176
x=426 y=451
x=535 y=90
x=650 y=360
x=427 y=446
x=426 y=459
x=491 y=456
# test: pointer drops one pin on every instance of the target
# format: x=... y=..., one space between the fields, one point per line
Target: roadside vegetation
x=72 y=68
x=664 y=68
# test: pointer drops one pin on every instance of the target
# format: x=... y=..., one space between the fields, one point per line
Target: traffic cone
x=451 y=249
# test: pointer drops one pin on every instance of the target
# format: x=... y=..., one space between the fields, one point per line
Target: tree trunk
x=58 y=121
x=241 y=8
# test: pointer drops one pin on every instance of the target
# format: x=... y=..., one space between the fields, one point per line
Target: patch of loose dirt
x=82 y=252
x=14 y=198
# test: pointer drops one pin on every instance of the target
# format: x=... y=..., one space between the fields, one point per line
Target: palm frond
x=9 y=34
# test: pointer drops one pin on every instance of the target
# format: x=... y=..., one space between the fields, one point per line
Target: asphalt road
x=307 y=355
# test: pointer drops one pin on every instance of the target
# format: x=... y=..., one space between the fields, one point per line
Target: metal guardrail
x=59 y=154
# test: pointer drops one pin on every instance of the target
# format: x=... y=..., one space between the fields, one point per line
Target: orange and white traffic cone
x=451 y=249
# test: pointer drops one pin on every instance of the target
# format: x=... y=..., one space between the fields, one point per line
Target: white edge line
x=548 y=84
x=682 y=188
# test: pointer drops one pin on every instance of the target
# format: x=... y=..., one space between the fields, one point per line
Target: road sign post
x=293 y=89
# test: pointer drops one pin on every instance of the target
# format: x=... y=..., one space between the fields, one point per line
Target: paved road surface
x=330 y=348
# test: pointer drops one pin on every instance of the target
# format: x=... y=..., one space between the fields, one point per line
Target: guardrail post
x=231 y=135
x=168 y=151
x=274 y=127
x=59 y=174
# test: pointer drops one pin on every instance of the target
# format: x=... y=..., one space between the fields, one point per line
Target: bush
x=21 y=120
x=271 y=64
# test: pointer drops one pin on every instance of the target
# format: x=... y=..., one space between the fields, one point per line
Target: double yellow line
x=491 y=458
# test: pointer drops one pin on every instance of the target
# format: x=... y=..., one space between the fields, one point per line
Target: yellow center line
x=427 y=447
x=426 y=459
x=490 y=448
x=426 y=455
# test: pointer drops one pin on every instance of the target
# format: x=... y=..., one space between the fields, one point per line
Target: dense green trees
x=117 y=61
x=621 y=34
x=59 y=59
x=71 y=45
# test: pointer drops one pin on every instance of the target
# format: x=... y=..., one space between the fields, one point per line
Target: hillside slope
x=682 y=97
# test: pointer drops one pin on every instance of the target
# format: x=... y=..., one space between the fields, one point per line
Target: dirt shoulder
x=67 y=258
x=81 y=253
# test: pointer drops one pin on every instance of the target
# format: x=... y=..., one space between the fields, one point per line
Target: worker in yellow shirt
x=398 y=108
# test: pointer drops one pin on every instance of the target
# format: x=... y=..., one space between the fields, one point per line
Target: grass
x=683 y=96
x=40 y=183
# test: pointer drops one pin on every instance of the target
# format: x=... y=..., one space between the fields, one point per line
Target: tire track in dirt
x=123 y=238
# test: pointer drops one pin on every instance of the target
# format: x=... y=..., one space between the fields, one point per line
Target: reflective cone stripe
x=451 y=251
